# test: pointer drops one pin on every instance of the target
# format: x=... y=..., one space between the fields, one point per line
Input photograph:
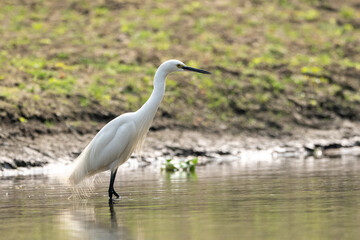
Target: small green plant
x=347 y=12
x=49 y=124
x=22 y=120
x=172 y=165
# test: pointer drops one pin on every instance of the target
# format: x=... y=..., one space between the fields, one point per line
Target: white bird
x=117 y=140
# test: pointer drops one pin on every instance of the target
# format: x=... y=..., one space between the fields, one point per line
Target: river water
x=257 y=199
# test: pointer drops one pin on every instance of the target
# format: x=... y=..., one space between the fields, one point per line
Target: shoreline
x=18 y=152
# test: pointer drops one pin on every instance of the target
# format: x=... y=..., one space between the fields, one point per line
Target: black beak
x=195 y=70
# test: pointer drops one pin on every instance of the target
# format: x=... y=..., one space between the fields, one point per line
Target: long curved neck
x=148 y=110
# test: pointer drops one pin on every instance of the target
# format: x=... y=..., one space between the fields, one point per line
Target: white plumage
x=110 y=148
x=118 y=139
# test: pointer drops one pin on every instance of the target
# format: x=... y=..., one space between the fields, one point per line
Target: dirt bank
x=275 y=64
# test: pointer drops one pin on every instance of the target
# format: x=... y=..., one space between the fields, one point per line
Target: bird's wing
x=111 y=144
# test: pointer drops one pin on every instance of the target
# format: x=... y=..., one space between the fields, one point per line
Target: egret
x=117 y=140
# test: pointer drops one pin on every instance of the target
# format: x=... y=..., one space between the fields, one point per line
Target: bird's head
x=171 y=66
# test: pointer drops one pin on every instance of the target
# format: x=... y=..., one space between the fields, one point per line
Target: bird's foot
x=116 y=194
x=111 y=193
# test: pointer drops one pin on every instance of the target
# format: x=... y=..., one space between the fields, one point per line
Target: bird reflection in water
x=113 y=218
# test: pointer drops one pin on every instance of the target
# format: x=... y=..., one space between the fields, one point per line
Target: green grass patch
x=91 y=55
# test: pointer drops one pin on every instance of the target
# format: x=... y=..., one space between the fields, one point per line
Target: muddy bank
x=19 y=152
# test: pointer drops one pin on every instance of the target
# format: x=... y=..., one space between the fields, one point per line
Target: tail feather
x=80 y=169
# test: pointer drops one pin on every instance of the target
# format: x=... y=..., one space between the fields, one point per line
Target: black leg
x=111 y=186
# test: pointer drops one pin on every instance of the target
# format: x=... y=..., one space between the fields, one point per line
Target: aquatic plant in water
x=172 y=165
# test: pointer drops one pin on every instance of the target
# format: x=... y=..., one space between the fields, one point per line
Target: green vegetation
x=274 y=63
x=184 y=165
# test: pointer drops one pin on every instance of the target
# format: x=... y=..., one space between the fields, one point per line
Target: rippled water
x=275 y=199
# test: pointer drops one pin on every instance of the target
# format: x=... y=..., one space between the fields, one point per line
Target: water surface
x=273 y=199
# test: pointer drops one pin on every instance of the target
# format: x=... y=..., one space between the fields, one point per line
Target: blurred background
x=276 y=64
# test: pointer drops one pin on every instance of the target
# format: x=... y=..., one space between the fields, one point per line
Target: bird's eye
x=179 y=65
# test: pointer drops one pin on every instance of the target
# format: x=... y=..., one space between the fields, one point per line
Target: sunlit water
x=274 y=199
